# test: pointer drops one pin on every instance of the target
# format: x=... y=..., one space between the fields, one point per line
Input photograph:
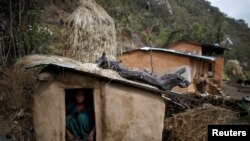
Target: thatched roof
x=90 y=31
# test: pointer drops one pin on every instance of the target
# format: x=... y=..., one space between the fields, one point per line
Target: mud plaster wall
x=122 y=112
x=49 y=112
x=49 y=104
x=219 y=61
x=128 y=114
x=163 y=63
x=218 y=70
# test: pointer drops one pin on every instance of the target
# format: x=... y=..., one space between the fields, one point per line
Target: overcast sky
x=238 y=9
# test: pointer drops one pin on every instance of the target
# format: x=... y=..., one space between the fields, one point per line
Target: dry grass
x=192 y=124
x=233 y=68
x=15 y=101
x=90 y=31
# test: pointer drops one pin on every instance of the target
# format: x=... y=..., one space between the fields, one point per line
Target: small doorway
x=80 y=115
x=210 y=72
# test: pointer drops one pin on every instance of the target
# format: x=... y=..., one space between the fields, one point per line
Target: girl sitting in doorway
x=80 y=125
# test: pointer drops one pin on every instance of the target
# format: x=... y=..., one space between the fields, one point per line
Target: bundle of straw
x=90 y=31
x=192 y=124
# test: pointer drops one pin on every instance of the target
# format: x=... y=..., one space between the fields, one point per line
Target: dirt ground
x=235 y=91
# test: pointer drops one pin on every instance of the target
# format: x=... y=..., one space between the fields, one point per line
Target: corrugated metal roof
x=203 y=45
x=87 y=68
x=178 y=53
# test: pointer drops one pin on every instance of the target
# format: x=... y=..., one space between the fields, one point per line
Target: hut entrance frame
x=80 y=116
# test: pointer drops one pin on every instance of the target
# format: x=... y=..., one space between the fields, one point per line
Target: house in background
x=215 y=69
x=198 y=59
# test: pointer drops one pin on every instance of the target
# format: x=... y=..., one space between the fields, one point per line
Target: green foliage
x=246 y=75
x=160 y=38
x=37 y=37
x=244 y=107
x=134 y=15
x=202 y=33
x=244 y=119
x=35 y=16
x=193 y=20
x=22 y=30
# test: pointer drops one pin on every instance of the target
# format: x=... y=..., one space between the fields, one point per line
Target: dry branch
x=165 y=82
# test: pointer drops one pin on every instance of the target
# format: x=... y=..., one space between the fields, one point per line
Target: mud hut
x=89 y=31
x=124 y=110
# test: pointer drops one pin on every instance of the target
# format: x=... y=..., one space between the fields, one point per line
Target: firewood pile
x=187 y=117
x=190 y=101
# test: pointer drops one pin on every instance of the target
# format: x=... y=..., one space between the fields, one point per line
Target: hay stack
x=192 y=124
x=233 y=68
x=90 y=31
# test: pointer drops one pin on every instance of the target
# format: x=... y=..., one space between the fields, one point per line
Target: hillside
x=162 y=22
x=37 y=26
